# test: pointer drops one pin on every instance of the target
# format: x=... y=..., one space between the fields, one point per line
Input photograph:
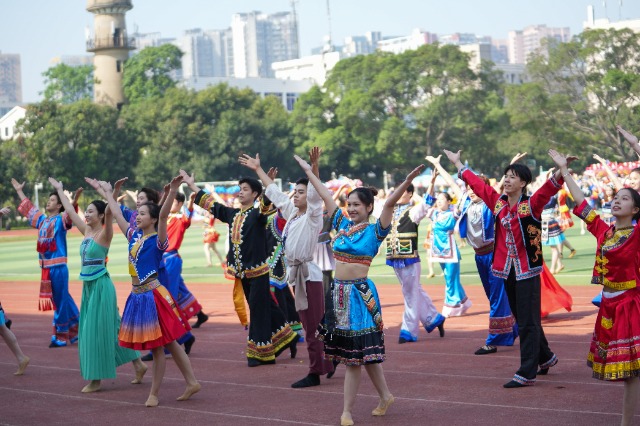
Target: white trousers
x=418 y=306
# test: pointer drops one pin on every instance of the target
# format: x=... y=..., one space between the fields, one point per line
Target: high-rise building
x=413 y=41
x=72 y=60
x=10 y=82
x=261 y=39
x=206 y=53
x=361 y=45
x=523 y=43
x=604 y=23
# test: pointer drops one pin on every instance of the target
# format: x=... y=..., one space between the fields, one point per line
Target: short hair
x=152 y=195
x=522 y=171
x=303 y=181
x=180 y=197
x=59 y=200
x=253 y=183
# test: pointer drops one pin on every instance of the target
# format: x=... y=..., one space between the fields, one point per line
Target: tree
x=72 y=141
x=579 y=92
x=67 y=84
x=149 y=73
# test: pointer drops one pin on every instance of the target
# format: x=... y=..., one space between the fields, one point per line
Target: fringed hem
x=268 y=351
x=349 y=349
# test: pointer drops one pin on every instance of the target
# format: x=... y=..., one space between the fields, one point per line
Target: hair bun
x=373 y=190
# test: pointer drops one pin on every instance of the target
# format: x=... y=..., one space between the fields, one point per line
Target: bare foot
x=346 y=419
x=382 y=407
x=22 y=365
x=93 y=386
x=140 y=372
x=152 y=401
x=189 y=391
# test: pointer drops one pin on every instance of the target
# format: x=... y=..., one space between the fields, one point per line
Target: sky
x=40 y=30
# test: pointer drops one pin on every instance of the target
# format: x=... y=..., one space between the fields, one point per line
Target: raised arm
x=322 y=190
x=166 y=207
x=254 y=164
x=190 y=181
x=18 y=187
x=561 y=162
x=314 y=159
x=104 y=189
x=447 y=177
x=387 y=210
x=68 y=206
x=630 y=138
x=612 y=176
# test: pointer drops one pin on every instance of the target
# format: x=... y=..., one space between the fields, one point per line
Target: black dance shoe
x=486 y=349
x=202 y=318
x=310 y=380
x=188 y=344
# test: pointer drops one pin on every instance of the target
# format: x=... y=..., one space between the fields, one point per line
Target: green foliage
x=579 y=92
x=149 y=73
x=66 y=84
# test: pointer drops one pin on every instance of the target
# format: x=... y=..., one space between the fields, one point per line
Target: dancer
x=445 y=251
x=210 y=239
x=98 y=347
x=552 y=234
x=269 y=333
x=10 y=338
x=517 y=258
x=151 y=317
x=353 y=329
x=403 y=257
x=52 y=251
x=304 y=221
x=614 y=353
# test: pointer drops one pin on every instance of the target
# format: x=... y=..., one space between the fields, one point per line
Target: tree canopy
x=67 y=84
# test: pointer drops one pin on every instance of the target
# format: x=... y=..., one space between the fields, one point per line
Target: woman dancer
x=552 y=235
x=445 y=251
x=353 y=329
x=210 y=239
x=151 y=317
x=614 y=354
x=98 y=347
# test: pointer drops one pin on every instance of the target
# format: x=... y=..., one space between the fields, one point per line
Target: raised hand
x=56 y=184
x=250 y=162
x=303 y=164
x=571 y=159
x=4 y=211
x=519 y=156
x=454 y=157
x=16 y=185
x=314 y=155
x=434 y=174
x=559 y=159
x=189 y=180
x=272 y=173
x=176 y=182
x=94 y=183
x=118 y=185
x=77 y=195
x=432 y=159
x=414 y=173
x=105 y=187
x=629 y=137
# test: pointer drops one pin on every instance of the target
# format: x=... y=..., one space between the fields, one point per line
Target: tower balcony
x=115 y=42
x=109 y=6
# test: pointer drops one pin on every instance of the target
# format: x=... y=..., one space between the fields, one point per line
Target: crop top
x=356 y=243
x=145 y=253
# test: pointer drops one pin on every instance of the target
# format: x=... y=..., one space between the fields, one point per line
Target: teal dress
x=98 y=346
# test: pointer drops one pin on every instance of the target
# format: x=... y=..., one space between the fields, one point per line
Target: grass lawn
x=18 y=260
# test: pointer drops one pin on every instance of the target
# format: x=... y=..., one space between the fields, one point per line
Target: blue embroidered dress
x=353 y=329
x=151 y=317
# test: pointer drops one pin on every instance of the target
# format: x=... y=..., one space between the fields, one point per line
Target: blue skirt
x=352 y=330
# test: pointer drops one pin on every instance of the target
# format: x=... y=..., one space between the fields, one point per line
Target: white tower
x=110 y=45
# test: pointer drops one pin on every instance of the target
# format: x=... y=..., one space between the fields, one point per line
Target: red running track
x=435 y=381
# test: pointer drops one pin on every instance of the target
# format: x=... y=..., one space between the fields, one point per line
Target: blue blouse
x=145 y=253
x=356 y=243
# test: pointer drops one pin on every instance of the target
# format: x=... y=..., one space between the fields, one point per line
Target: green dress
x=98 y=346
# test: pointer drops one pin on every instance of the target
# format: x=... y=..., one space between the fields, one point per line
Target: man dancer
x=269 y=333
x=52 y=251
x=300 y=236
x=402 y=256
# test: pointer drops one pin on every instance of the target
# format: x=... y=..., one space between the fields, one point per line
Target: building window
x=119 y=66
x=6 y=131
x=291 y=100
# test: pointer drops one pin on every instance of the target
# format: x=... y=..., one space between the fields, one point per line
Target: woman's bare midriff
x=351 y=271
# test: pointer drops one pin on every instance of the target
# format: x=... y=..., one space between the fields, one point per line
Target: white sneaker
x=465 y=306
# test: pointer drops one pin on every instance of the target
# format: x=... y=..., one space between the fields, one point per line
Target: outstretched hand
x=250 y=162
x=434 y=174
x=94 y=183
x=272 y=173
x=77 y=195
x=559 y=159
x=17 y=185
x=176 y=182
x=433 y=160
x=454 y=157
x=415 y=173
x=519 y=156
x=119 y=183
x=56 y=184
x=189 y=180
x=314 y=155
x=303 y=164
x=627 y=135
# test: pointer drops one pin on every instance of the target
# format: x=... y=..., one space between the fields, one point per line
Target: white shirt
x=301 y=232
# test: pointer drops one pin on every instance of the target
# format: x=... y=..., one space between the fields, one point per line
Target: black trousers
x=524 y=301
